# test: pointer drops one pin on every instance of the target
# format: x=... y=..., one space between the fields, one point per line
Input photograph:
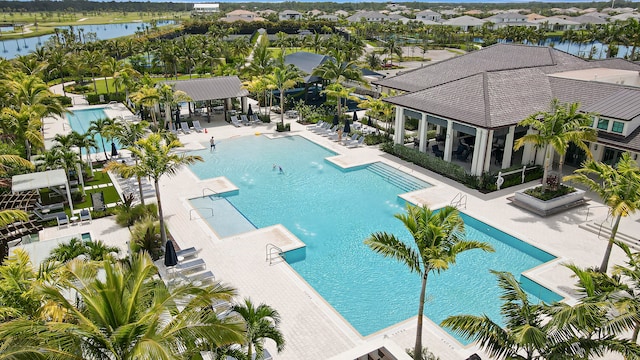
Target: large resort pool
x=333 y=211
x=80 y=121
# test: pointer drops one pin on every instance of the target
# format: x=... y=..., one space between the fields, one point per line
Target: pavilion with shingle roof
x=483 y=95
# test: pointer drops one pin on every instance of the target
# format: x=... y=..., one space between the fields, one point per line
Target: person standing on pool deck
x=213 y=143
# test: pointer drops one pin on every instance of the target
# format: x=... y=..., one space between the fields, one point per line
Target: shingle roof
x=495 y=57
x=216 y=88
x=624 y=104
x=464 y=20
x=306 y=62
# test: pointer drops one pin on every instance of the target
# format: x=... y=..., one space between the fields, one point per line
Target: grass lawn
x=102 y=88
x=99 y=177
x=110 y=196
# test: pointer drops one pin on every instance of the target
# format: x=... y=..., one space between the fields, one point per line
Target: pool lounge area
x=310 y=325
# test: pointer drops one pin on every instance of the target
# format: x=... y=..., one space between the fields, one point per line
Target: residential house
x=315 y=12
x=241 y=15
x=341 y=13
x=327 y=17
x=428 y=15
x=509 y=19
x=290 y=15
x=465 y=22
x=533 y=17
x=588 y=19
x=555 y=23
x=205 y=9
x=368 y=16
x=398 y=18
x=479 y=98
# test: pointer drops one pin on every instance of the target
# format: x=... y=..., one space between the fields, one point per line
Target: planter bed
x=546 y=208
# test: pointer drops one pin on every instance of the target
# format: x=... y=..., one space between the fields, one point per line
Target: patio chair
x=255 y=119
x=244 y=119
x=172 y=129
x=437 y=152
x=190 y=265
x=185 y=127
x=235 y=121
x=196 y=126
x=44 y=216
x=50 y=207
x=85 y=216
x=202 y=276
x=356 y=143
x=321 y=128
x=186 y=253
x=63 y=220
x=316 y=126
x=329 y=130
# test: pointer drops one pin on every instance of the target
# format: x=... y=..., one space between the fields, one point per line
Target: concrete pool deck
x=311 y=327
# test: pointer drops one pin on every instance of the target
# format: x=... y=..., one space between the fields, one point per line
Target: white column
x=528 y=151
x=398 y=137
x=448 y=141
x=478 y=152
x=508 y=148
x=424 y=125
x=69 y=197
x=243 y=102
x=486 y=145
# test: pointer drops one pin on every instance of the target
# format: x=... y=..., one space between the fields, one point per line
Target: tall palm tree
x=128 y=135
x=339 y=92
x=87 y=142
x=261 y=323
x=127 y=314
x=170 y=98
x=619 y=188
x=438 y=237
x=156 y=159
x=148 y=96
x=336 y=71
x=284 y=78
x=100 y=126
x=24 y=125
x=555 y=130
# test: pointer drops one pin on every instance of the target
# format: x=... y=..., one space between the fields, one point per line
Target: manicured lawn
x=99 y=177
x=110 y=196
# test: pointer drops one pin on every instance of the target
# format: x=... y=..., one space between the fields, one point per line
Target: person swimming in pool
x=280 y=170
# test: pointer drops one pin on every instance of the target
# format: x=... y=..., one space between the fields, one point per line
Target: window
x=618 y=127
x=603 y=124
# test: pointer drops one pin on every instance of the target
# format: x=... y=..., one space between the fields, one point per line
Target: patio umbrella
x=336 y=121
x=177 y=113
x=347 y=128
x=114 y=151
x=249 y=111
x=170 y=257
x=355 y=116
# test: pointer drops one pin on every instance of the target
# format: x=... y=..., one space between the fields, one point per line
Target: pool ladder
x=273 y=252
x=213 y=192
x=459 y=200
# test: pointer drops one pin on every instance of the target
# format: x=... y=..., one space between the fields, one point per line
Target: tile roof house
x=485 y=94
x=289 y=15
x=508 y=19
x=428 y=15
x=369 y=16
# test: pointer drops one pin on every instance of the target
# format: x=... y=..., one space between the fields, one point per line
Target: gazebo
x=43 y=179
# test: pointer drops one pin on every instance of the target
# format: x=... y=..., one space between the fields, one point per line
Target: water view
x=16 y=47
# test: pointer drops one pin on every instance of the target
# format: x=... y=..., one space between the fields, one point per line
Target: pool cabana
x=210 y=89
x=40 y=180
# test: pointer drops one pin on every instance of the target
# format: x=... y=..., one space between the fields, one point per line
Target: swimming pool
x=80 y=122
x=332 y=211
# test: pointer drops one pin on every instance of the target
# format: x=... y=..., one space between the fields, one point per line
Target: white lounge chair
x=185 y=127
x=255 y=119
x=201 y=276
x=244 y=120
x=185 y=253
x=235 y=121
x=63 y=220
x=333 y=131
x=325 y=126
x=172 y=129
x=355 y=143
x=85 y=216
x=316 y=126
x=190 y=265
x=197 y=127
x=329 y=130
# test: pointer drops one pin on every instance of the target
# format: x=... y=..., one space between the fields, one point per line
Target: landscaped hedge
x=484 y=183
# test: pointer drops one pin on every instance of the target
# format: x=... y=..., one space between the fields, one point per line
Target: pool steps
x=405 y=182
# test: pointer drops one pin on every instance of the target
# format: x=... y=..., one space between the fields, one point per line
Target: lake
x=15 y=47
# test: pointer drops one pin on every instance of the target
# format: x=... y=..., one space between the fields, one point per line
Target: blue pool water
x=334 y=211
x=80 y=122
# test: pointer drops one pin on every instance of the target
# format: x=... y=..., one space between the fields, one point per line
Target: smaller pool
x=80 y=122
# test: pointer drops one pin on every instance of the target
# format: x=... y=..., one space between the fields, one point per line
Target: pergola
x=215 y=88
x=40 y=180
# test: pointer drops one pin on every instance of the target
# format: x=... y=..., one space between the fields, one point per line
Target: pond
x=15 y=47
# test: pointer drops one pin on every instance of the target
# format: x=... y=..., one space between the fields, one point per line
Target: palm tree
x=339 y=92
x=127 y=314
x=87 y=142
x=337 y=71
x=128 y=134
x=170 y=98
x=619 y=188
x=262 y=323
x=438 y=236
x=94 y=250
x=284 y=78
x=156 y=159
x=555 y=130
x=149 y=97
x=24 y=125
x=100 y=126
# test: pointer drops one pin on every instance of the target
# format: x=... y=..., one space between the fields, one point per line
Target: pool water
x=80 y=122
x=333 y=211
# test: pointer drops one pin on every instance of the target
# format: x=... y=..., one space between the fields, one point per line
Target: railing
x=272 y=250
x=213 y=192
x=192 y=210
x=459 y=200
x=500 y=176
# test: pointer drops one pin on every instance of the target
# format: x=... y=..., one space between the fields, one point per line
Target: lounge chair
x=185 y=127
x=97 y=201
x=353 y=139
x=255 y=119
x=329 y=130
x=190 y=265
x=201 y=276
x=47 y=216
x=85 y=215
x=356 y=143
x=325 y=126
x=244 y=119
x=316 y=126
x=63 y=220
x=235 y=121
x=172 y=129
x=332 y=132
x=50 y=207
x=196 y=126
x=185 y=253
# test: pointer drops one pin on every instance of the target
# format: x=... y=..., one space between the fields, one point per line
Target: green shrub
x=542 y=194
x=64 y=100
x=282 y=128
x=145 y=236
x=127 y=214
